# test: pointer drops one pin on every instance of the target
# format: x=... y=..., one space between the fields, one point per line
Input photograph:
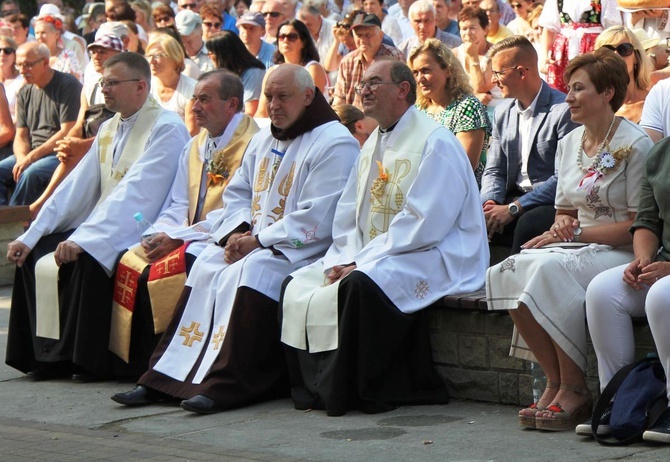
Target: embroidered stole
x=204 y=324
x=133 y=149
x=46 y=271
x=167 y=276
x=310 y=307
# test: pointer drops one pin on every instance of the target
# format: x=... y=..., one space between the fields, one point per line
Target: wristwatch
x=577 y=232
x=514 y=209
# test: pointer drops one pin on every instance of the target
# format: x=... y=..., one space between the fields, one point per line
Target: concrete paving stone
x=88 y=426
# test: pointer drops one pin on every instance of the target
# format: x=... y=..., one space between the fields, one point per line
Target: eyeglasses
x=112 y=83
x=210 y=25
x=162 y=19
x=28 y=64
x=155 y=56
x=7 y=50
x=623 y=50
x=372 y=86
x=188 y=6
x=501 y=72
x=291 y=37
x=274 y=14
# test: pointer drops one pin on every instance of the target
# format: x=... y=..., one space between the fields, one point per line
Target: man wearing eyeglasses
x=408 y=230
x=273 y=13
x=368 y=35
x=278 y=214
x=61 y=314
x=252 y=29
x=46 y=110
x=519 y=185
x=189 y=26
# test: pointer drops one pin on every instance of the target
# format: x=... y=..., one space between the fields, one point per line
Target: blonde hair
x=172 y=48
x=458 y=82
x=643 y=68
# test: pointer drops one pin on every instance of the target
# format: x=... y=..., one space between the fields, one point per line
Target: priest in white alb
x=222 y=348
x=60 y=315
x=408 y=230
x=150 y=278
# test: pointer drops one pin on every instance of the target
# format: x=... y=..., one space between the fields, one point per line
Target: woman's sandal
x=527 y=415
x=560 y=419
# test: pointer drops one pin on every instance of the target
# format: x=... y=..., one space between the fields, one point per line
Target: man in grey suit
x=519 y=178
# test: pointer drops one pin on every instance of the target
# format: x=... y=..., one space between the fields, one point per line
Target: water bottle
x=145 y=229
x=539 y=381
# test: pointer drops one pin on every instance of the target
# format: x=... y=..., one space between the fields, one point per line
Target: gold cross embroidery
x=125 y=286
x=166 y=264
x=218 y=338
x=105 y=143
x=191 y=334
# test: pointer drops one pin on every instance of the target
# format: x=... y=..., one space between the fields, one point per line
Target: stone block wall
x=471 y=354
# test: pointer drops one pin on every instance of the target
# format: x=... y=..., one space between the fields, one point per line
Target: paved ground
x=67 y=421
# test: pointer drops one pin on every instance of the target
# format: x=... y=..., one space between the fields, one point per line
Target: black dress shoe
x=202 y=405
x=140 y=396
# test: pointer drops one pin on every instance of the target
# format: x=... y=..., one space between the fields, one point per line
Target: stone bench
x=12 y=221
x=471 y=351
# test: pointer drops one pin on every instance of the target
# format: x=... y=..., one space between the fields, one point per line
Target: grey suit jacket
x=551 y=122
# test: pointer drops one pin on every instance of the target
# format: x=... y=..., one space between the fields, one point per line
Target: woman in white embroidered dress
x=600 y=169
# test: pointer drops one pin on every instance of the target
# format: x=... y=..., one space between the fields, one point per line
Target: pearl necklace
x=596 y=157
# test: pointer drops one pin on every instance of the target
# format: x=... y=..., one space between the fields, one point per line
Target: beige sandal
x=527 y=415
x=561 y=420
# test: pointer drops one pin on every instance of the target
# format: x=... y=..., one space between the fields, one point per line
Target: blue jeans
x=32 y=182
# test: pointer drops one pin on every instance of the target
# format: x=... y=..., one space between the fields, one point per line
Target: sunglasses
x=516 y=5
x=343 y=25
x=291 y=37
x=623 y=50
x=274 y=14
x=7 y=50
x=209 y=25
x=162 y=19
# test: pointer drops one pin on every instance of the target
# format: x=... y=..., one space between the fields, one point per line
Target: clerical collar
x=390 y=127
x=315 y=115
x=130 y=119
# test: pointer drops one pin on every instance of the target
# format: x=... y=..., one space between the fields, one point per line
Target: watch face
x=577 y=231
x=513 y=209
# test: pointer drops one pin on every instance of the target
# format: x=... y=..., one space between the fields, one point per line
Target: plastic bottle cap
x=138 y=216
